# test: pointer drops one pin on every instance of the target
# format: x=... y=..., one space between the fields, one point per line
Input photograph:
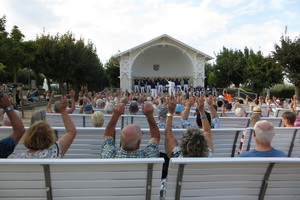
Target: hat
x=239 y=112
x=88 y=107
x=256 y=109
x=221 y=96
x=163 y=112
x=178 y=108
x=133 y=108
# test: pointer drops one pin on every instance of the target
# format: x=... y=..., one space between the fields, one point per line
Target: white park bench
x=65 y=179
x=233 y=179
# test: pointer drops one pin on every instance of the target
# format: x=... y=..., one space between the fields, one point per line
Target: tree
x=113 y=72
x=15 y=53
x=261 y=72
x=287 y=54
x=229 y=67
x=3 y=42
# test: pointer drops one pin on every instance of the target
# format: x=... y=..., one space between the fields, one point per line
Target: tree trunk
x=76 y=89
x=16 y=76
x=297 y=91
x=49 y=85
x=61 y=87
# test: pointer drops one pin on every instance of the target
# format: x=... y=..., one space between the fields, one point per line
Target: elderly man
x=263 y=135
x=8 y=144
x=131 y=136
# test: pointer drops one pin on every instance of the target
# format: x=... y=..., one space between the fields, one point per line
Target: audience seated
x=6 y=120
x=288 y=119
x=8 y=144
x=109 y=108
x=162 y=116
x=97 y=119
x=55 y=106
x=263 y=134
x=293 y=105
x=40 y=137
x=38 y=115
x=194 y=142
x=133 y=108
x=212 y=117
x=130 y=137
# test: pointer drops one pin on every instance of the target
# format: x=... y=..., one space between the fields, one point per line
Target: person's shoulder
x=248 y=153
x=278 y=153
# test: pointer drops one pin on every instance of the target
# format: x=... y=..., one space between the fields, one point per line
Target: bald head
x=131 y=136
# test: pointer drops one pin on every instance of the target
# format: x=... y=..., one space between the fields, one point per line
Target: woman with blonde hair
x=97 y=119
x=40 y=137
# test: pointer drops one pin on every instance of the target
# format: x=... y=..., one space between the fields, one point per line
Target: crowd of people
x=163 y=105
x=197 y=141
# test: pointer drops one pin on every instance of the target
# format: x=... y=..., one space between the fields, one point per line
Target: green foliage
x=64 y=59
x=285 y=93
x=212 y=78
x=113 y=72
x=14 y=52
x=287 y=53
x=261 y=72
x=229 y=67
x=246 y=68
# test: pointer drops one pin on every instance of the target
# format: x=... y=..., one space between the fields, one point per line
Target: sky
x=119 y=25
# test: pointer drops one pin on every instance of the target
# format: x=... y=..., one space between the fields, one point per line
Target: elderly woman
x=194 y=142
x=97 y=119
x=40 y=137
x=109 y=108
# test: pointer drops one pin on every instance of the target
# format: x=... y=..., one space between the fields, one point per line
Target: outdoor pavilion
x=163 y=56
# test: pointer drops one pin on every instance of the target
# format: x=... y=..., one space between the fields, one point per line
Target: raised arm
x=49 y=109
x=17 y=124
x=293 y=104
x=154 y=131
x=205 y=123
x=188 y=104
x=247 y=101
x=210 y=102
x=170 y=140
x=72 y=94
x=111 y=126
x=223 y=110
x=67 y=139
x=84 y=102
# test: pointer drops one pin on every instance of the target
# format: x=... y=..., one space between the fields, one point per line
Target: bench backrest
x=233 y=178
x=80 y=120
x=87 y=142
x=286 y=139
x=124 y=179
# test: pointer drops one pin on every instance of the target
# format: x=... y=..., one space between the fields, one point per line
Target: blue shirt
x=108 y=150
x=254 y=153
x=7 y=146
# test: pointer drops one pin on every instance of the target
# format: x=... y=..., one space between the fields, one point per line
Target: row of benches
x=226 y=141
x=136 y=179
x=84 y=120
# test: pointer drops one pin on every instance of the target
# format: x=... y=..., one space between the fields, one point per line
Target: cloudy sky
x=113 y=25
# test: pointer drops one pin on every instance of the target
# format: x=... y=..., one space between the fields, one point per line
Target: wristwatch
x=9 y=108
x=169 y=115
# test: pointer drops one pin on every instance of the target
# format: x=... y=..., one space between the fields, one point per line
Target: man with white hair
x=263 y=134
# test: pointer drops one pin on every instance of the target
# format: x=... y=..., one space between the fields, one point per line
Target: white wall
x=173 y=63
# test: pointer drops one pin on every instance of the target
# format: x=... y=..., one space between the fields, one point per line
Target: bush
x=283 y=92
